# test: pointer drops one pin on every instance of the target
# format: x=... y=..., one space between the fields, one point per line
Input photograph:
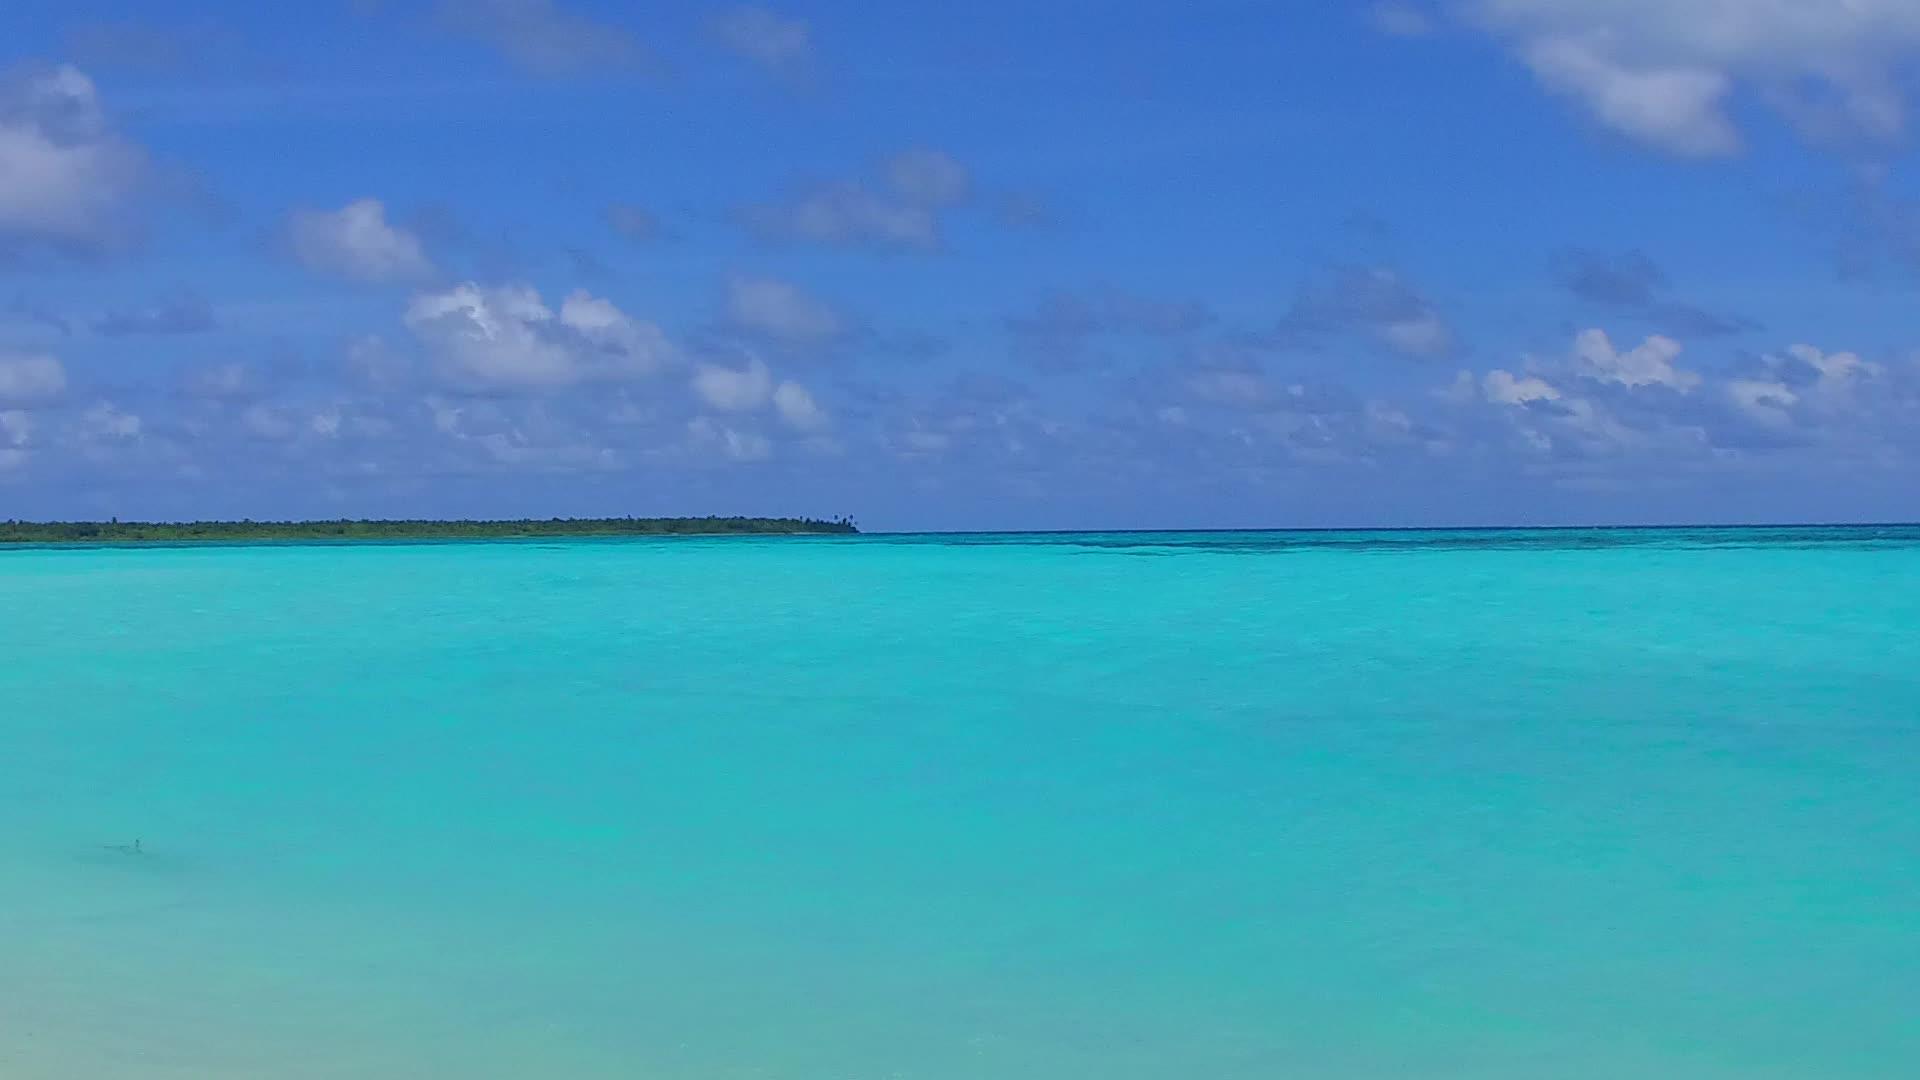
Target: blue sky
x=995 y=265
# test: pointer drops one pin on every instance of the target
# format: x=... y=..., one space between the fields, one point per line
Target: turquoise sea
x=1241 y=805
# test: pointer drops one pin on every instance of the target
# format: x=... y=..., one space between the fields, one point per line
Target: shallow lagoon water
x=1510 y=804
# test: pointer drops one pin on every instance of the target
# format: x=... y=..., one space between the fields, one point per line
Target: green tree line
x=116 y=531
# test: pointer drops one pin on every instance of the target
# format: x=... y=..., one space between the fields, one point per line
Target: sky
x=996 y=265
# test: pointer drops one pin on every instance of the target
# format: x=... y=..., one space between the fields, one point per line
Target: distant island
x=116 y=531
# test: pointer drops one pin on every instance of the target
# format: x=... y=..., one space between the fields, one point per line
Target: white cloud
x=797 y=407
x=1833 y=367
x=727 y=442
x=1506 y=388
x=780 y=311
x=902 y=213
x=16 y=426
x=779 y=43
x=734 y=390
x=1376 y=300
x=1578 y=425
x=448 y=418
x=269 y=423
x=517 y=449
x=1763 y=400
x=528 y=434
x=281 y=423
x=356 y=241
x=1648 y=364
x=496 y=336
x=1384 y=423
x=1425 y=334
x=1680 y=109
x=918 y=440
x=1064 y=318
x=370 y=360
x=752 y=388
x=636 y=223
x=1240 y=389
x=1400 y=19
x=230 y=381
x=1810 y=386
x=541 y=36
x=928 y=177
x=508 y=338
x=1593 y=402
x=66 y=180
x=622 y=344
x=180 y=314
x=1596 y=430
x=845 y=214
x=30 y=377
x=1548 y=412
x=1663 y=71
x=105 y=421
